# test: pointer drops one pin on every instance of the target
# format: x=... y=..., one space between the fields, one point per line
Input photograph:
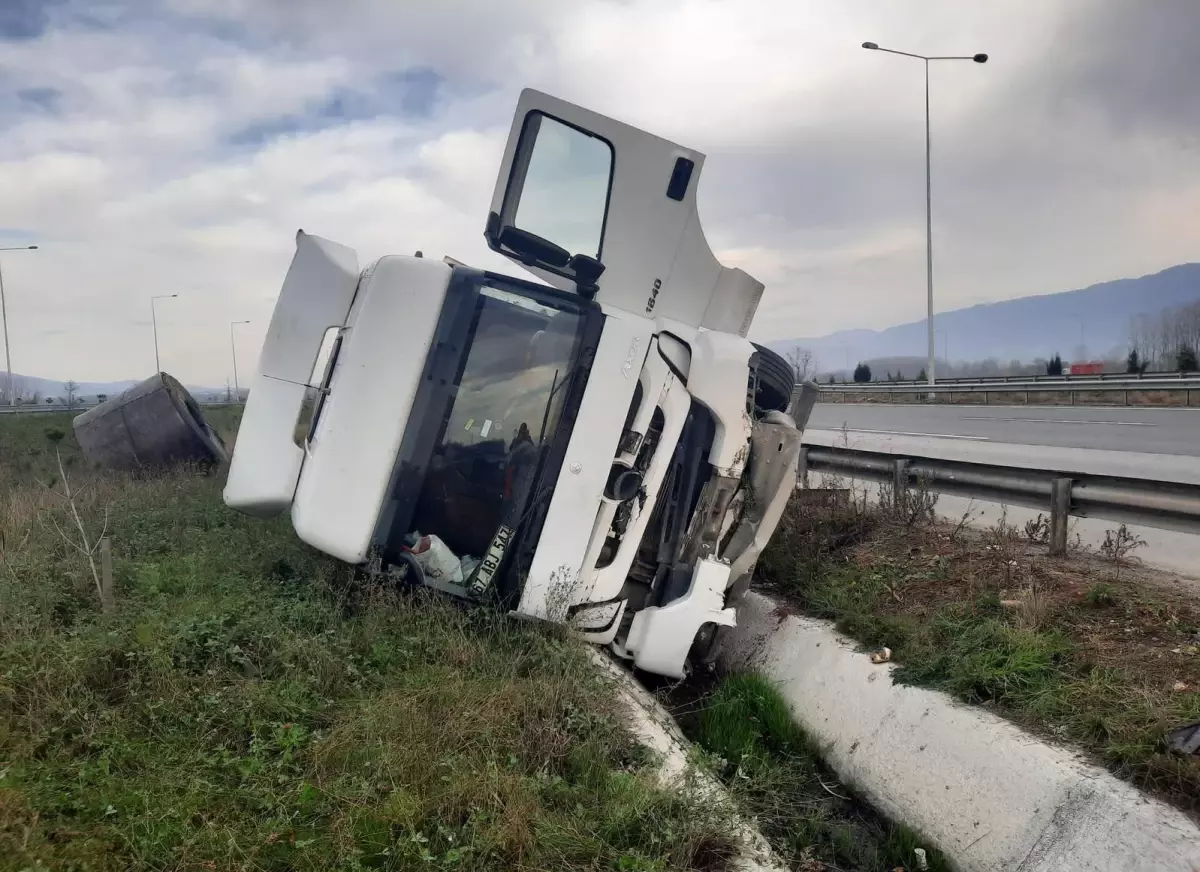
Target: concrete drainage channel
x=988 y=794
x=656 y=730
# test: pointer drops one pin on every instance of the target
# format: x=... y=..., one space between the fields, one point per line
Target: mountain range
x=1097 y=317
x=27 y=386
x=1092 y=322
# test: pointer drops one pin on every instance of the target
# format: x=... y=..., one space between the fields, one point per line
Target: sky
x=175 y=146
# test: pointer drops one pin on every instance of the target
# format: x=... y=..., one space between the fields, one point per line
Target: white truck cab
x=602 y=447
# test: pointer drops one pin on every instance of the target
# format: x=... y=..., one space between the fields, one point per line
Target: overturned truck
x=603 y=448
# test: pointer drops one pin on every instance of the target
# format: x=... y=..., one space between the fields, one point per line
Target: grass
x=28 y=443
x=1100 y=595
x=777 y=775
x=1079 y=649
x=249 y=705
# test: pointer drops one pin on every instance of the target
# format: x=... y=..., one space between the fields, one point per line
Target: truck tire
x=776 y=381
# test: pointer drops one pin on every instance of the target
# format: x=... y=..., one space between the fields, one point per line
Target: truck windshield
x=507 y=407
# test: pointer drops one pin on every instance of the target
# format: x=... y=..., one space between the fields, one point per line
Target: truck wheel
x=706 y=647
x=776 y=380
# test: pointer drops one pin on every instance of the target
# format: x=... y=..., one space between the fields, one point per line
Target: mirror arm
x=586 y=270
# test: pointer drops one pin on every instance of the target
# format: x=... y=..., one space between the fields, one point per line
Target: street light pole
x=945 y=344
x=154 y=322
x=4 y=318
x=979 y=59
x=237 y=391
x=929 y=232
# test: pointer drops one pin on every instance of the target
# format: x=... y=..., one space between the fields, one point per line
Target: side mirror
x=555 y=204
x=533 y=249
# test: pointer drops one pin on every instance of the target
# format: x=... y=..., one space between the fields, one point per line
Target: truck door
x=592 y=205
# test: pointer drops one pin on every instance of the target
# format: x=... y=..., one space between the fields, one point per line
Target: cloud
x=24 y=19
x=175 y=147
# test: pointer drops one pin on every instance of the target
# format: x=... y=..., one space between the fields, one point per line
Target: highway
x=1155 y=431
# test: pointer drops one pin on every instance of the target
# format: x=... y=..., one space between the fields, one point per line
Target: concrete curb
x=990 y=795
x=654 y=727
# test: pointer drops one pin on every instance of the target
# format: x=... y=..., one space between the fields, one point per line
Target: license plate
x=485 y=573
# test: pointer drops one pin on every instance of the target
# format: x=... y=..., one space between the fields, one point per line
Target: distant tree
x=49 y=401
x=1055 y=365
x=101 y=398
x=1134 y=363
x=72 y=389
x=19 y=390
x=889 y=375
x=802 y=362
x=922 y=375
x=832 y=379
x=862 y=373
x=1185 y=359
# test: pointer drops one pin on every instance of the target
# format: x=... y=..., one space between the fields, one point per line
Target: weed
x=817 y=529
x=1002 y=539
x=911 y=506
x=1033 y=614
x=86 y=545
x=1037 y=530
x=920 y=504
x=1100 y=595
x=983 y=659
x=1117 y=547
x=969 y=514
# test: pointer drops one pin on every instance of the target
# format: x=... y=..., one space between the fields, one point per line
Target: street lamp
x=4 y=318
x=1082 y=350
x=154 y=321
x=979 y=59
x=237 y=391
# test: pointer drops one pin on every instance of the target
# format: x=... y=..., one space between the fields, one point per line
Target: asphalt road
x=1157 y=431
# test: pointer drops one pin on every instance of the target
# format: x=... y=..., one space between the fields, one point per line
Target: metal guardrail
x=1078 y=383
x=1170 y=375
x=1166 y=505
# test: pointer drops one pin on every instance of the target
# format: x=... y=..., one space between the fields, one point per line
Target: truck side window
x=564 y=194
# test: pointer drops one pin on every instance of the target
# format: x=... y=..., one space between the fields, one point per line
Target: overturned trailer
x=603 y=447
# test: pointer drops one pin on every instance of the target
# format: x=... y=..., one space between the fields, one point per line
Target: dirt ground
x=1121 y=614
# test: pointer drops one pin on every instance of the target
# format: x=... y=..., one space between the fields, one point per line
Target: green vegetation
x=777 y=775
x=249 y=705
x=1111 y=665
x=1101 y=594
